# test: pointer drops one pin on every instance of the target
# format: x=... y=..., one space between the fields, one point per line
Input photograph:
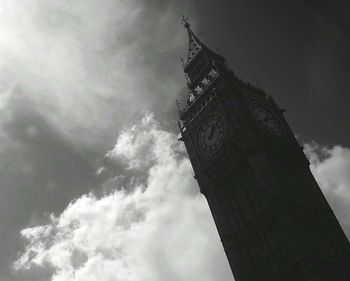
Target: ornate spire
x=202 y=64
x=195 y=45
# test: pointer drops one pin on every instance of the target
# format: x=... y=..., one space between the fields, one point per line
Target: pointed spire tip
x=185 y=21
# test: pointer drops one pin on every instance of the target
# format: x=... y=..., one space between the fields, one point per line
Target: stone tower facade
x=272 y=218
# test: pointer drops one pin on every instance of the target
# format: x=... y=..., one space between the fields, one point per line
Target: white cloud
x=145 y=144
x=161 y=230
x=331 y=168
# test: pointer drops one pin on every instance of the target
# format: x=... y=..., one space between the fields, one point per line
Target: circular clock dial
x=267 y=120
x=211 y=134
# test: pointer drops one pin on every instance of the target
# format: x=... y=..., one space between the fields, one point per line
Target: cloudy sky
x=94 y=185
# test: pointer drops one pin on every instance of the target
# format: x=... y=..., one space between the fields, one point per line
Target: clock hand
x=213 y=128
x=211 y=132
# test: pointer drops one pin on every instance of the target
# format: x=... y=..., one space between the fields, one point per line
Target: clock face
x=267 y=120
x=211 y=134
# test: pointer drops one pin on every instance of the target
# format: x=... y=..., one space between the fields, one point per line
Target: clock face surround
x=267 y=120
x=211 y=134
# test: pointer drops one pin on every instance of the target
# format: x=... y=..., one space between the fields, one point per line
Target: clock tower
x=272 y=218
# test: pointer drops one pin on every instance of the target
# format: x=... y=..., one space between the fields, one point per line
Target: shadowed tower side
x=272 y=218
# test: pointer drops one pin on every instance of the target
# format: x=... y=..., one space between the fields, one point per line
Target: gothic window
x=198 y=89
x=205 y=81
x=213 y=73
x=192 y=97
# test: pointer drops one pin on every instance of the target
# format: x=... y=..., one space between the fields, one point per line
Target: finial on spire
x=178 y=105
x=185 y=21
x=182 y=61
